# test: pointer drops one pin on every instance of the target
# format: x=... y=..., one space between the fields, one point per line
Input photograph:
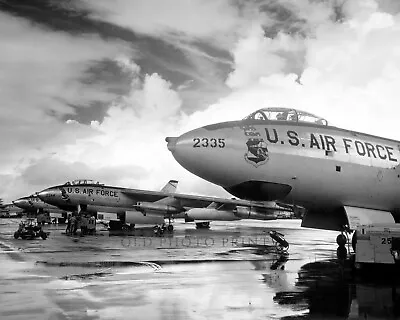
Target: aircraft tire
x=16 y=235
x=354 y=241
x=158 y=231
x=170 y=228
x=341 y=240
x=43 y=235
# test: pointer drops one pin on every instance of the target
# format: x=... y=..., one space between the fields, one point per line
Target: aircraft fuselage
x=100 y=198
x=315 y=166
x=94 y=195
x=34 y=204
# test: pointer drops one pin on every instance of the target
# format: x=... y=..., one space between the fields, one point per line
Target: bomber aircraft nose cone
x=22 y=203
x=171 y=143
x=50 y=195
x=18 y=203
x=204 y=152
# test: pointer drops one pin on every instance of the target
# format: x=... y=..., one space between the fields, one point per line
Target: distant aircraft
x=342 y=177
x=33 y=204
x=44 y=212
x=135 y=206
x=10 y=210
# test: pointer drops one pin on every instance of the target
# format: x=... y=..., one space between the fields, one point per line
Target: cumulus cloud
x=40 y=80
x=214 y=20
x=258 y=56
x=133 y=134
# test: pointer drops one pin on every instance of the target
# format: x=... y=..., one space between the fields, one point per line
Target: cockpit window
x=82 y=182
x=285 y=114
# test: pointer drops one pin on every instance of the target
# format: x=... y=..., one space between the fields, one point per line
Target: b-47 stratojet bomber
x=10 y=210
x=342 y=177
x=33 y=204
x=44 y=211
x=134 y=206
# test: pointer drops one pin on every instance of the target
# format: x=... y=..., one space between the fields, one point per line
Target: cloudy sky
x=91 y=88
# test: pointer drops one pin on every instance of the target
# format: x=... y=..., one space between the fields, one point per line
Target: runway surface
x=231 y=271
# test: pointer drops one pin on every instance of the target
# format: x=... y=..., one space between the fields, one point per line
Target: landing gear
x=354 y=241
x=127 y=227
x=342 y=239
x=202 y=225
x=159 y=230
x=170 y=226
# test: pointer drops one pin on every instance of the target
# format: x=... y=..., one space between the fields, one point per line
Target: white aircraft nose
x=171 y=143
x=203 y=152
x=182 y=148
x=50 y=195
x=20 y=203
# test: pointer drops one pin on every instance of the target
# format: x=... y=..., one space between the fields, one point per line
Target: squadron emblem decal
x=257 y=150
x=64 y=194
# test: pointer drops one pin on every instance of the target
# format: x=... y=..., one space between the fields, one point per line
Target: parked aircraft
x=33 y=204
x=43 y=211
x=151 y=207
x=342 y=177
x=10 y=210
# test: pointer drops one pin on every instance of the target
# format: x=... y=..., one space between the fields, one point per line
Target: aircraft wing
x=194 y=201
x=145 y=195
x=156 y=202
x=187 y=200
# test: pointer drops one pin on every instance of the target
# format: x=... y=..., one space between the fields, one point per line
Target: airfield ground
x=231 y=271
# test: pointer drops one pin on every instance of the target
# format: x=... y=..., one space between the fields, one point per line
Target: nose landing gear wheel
x=354 y=241
x=341 y=240
x=341 y=251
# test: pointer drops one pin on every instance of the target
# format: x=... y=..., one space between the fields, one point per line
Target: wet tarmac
x=231 y=271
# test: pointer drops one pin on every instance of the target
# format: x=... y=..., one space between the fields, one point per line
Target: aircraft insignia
x=257 y=152
x=64 y=194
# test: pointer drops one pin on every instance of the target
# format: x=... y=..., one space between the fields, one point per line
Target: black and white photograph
x=199 y=159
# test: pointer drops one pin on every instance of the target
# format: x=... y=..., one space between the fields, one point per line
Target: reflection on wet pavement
x=328 y=293
x=229 y=272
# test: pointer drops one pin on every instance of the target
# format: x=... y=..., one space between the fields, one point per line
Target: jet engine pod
x=259 y=190
x=211 y=214
x=252 y=213
x=156 y=207
x=136 y=217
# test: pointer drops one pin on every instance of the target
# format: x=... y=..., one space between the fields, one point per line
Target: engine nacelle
x=205 y=214
x=156 y=207
x=136 y=217
x=252 y=213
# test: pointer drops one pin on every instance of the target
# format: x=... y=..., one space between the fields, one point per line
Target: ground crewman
x=91 y=225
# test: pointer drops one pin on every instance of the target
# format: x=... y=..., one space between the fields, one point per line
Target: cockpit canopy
x=82 y=182
x=285 y=114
